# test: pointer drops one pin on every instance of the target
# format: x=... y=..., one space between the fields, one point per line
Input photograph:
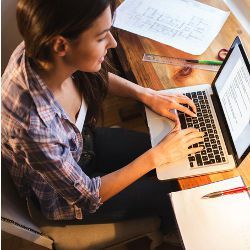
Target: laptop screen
x=233 y=89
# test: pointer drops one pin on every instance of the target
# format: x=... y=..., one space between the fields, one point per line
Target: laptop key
x=209 y=150
x=213 y=141
x=212 y=161
x=210 y=155
x=182 y=121
x=194 y=95
x=199 y=162
x=204 y=158
x=191 y=158
x=217 y=158
x=203 y=152
x=210 y=131
x=206 y=162
x=216 y=152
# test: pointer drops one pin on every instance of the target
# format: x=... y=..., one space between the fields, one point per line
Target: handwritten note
x=184 y=24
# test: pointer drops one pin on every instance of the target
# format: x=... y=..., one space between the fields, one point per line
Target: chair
x=57 y=235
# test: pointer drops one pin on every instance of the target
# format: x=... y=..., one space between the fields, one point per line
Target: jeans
x=115 y=148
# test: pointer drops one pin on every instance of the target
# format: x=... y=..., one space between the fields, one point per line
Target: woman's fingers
x=172 y=116
x=184 y=109
x=194 y=141
x=178 y=100
x=186 y=100
x=188 y=131
x=194 y=135
x=194 y=150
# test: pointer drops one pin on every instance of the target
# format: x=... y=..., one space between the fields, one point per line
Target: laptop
x=223 y=114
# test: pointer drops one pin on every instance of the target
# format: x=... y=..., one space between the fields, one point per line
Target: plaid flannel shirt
x=41 y=147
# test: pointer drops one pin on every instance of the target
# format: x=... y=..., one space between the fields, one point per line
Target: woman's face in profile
x=87 y=52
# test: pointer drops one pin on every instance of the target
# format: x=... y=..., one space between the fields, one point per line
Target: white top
x=82 y=115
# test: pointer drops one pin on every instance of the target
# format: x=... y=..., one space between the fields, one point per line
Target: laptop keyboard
x=213 y=151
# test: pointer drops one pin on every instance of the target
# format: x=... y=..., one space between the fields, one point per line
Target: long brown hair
x=39 y=21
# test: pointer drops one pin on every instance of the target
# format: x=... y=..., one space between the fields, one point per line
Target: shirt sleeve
x=52 y=158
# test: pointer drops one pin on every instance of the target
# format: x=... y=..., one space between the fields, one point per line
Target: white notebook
x=221 y=223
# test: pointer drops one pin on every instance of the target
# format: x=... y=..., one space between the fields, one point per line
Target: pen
x=226 y=192
x=209 y=62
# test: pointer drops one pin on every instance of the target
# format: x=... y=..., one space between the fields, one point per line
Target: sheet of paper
x=184 y=24
x=218 y=223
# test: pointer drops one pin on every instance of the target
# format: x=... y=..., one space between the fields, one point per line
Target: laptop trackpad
x=159 y=126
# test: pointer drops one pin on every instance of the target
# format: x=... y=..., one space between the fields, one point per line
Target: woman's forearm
x=121 y=87
x=113 y=183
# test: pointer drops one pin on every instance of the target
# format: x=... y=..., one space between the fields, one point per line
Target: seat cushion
x=93 y=236
x=97 y=236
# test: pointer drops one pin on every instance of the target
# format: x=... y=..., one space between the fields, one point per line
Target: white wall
x=10 y=36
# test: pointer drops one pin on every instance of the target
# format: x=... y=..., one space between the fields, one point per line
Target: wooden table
x=130 y=51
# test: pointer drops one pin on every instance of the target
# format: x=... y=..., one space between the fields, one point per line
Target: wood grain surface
x=131 y=48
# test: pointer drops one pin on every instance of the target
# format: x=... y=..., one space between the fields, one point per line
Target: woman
x=52 y=78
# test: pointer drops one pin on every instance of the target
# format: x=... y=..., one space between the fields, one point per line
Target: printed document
x=187 y=25
x=214 y=223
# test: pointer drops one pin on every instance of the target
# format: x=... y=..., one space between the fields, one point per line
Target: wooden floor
x=120 y=112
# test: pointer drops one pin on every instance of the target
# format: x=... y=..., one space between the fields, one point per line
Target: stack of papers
x=221 y=223
x=184 y=24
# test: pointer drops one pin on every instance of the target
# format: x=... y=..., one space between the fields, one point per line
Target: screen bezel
x=237 y=42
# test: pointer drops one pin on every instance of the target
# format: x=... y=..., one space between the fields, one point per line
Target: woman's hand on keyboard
x=163 y=103
x=175 y=146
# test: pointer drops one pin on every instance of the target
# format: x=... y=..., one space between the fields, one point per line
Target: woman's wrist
x=152 y=159
x=145 y=95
